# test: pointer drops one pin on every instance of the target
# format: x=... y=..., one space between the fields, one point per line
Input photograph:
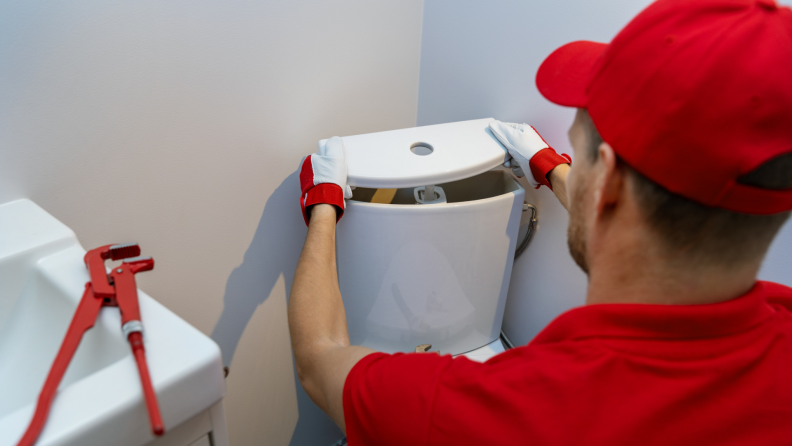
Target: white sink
x=99 y=401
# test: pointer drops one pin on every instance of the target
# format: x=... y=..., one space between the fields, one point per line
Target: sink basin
x=100 y=400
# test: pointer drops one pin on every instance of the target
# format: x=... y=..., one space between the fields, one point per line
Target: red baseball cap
x=693 y=94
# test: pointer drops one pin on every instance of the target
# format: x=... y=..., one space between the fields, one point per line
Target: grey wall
x=479 y=59
x=178 y=125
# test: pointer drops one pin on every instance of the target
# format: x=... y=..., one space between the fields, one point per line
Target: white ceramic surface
x=99 y=402
x=487 y=352
x=430 y=274
x=384 y=160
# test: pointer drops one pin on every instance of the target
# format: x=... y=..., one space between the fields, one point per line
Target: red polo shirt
x=614 y=374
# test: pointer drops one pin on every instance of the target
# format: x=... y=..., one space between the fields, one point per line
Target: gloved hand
x=534 y=158
x=323 y=178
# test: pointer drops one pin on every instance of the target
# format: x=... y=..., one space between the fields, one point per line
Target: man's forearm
x=316 y=311
x=557 y=178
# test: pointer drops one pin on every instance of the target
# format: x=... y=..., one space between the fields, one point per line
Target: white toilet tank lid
x=398 y=159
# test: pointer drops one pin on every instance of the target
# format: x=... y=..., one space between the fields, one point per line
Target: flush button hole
x=421 y=148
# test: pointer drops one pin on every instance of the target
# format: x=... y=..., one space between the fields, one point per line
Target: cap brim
x=564 y=76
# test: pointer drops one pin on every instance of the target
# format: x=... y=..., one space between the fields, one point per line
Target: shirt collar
x=660 y=321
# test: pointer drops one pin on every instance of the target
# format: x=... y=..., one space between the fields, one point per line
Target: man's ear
x=611 y=178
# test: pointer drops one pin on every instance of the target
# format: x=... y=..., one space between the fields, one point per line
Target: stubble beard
x=576 y=234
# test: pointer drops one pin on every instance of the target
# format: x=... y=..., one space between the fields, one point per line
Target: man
x=682 y=177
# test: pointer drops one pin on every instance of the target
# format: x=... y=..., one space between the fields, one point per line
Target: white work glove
x=523 y=143
x=323 y=178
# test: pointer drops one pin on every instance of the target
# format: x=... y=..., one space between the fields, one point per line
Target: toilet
x=426 y=246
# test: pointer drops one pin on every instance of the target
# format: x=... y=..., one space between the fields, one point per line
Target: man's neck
x=639 y=278
x=628 y=263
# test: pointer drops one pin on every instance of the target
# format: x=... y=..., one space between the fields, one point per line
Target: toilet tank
x=438 y=274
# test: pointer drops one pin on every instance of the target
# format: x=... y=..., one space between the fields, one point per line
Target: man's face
x=579 y=191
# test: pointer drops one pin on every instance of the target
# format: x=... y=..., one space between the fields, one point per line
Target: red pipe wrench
x=118 y=289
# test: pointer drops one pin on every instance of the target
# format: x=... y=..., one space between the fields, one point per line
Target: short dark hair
x=704 y=233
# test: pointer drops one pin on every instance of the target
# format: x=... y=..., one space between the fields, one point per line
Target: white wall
x=479 y=59
x=179 y=125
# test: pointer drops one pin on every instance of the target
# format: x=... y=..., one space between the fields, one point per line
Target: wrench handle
x=83 y=319
x=136 y=342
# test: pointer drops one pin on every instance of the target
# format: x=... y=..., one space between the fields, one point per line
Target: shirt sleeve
x=389 y=399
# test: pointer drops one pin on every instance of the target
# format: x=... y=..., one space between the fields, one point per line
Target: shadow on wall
x=274 y=250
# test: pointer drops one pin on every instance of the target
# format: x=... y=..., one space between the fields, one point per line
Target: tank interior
x=486 y=185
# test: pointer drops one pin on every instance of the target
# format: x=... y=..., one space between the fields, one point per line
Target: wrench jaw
x=95 y=262
x=125 y=251
x=139 y=264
